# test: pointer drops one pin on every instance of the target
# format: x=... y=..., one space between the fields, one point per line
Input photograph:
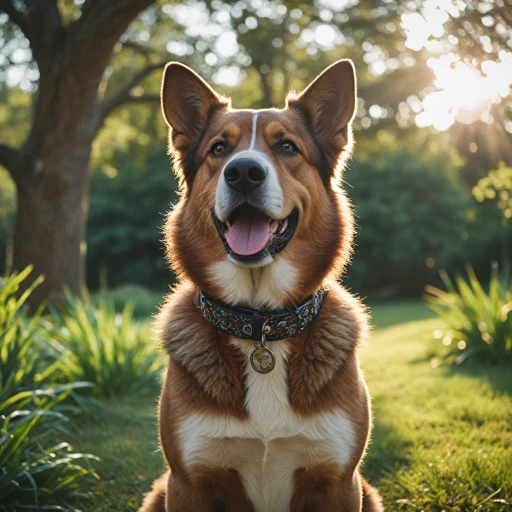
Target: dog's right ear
x=187 y=103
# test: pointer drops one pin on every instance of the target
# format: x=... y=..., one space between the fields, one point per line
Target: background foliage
x=37 y=467
x=413 y=198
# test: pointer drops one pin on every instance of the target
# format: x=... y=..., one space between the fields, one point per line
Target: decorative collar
x=252 y=324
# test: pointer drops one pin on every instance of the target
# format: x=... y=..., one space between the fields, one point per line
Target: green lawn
x=441 y=440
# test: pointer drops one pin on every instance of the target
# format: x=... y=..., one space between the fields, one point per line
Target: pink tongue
x=249 y=236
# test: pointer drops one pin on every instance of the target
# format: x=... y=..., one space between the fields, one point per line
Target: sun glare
x=463 y=93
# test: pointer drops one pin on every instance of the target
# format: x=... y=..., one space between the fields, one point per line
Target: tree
x=72 y=50
x=477 y=34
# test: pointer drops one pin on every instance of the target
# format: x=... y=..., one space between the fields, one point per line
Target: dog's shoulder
x=343 y=322
x=200 y=353
x=324 y=365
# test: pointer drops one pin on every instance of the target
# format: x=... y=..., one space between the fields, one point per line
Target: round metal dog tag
x=263 y=360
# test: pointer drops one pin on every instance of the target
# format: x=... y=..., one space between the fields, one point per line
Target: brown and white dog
x=261 y=224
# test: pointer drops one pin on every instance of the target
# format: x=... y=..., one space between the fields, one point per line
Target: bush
x=145 y=302
x=126 y=214
x=34 y=470
x=488 y=240
x=497 y=187
x=480 y=322
x=411 y=220
x=103 y=347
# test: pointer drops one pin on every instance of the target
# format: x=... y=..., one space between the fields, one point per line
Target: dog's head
x=260 y=188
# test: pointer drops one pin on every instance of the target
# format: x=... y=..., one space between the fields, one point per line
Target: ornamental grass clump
x=105 y=348
x=479 y=321
x=37 y=468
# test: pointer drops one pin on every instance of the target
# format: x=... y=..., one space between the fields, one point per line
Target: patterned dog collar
x=248 y=323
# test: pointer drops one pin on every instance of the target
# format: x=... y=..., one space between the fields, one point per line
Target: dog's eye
x=288 y=147
x=218 y=148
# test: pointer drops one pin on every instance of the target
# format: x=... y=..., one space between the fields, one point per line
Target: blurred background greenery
x=433 y=119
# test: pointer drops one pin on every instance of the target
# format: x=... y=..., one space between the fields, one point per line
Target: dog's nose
x=244 y=174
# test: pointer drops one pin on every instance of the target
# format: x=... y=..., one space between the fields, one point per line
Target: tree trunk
x=52 y=189
x=50 y=170
x=50 y=223
x=265 y=87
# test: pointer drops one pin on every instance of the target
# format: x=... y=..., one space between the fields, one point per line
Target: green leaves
x=33 y=469
x=410 y=218
x=100 y=346
x=480 y=321
x=497 y=187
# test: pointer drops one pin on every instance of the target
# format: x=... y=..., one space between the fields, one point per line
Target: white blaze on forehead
x=254 y=125
x=270 y=191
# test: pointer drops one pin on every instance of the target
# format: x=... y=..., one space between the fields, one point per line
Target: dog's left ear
x=330 y=100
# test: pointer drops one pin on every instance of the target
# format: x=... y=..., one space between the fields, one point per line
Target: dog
x=264 y=407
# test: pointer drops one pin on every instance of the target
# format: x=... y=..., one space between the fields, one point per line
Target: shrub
x=126 y=214
x=411 y=219
x=35 y=470
x=480 y=322
x=103 y=347
x=497 y=187
x=145 y=302
x=490 y=233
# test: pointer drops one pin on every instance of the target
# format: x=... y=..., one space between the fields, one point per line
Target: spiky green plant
x=107 y=349
x=479 y=321
x=36 y=469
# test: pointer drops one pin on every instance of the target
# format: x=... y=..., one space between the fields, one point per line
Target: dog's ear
x=187 y=104
x=186 y=100
x=330 y=100
x=328 y=106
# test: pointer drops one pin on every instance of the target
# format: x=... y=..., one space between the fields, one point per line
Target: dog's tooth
x=273 y=226
x=228 y=224
x=283 y=226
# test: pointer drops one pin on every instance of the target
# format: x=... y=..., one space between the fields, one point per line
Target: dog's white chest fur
x=267 y=448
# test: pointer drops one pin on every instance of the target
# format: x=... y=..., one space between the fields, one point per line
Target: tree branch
x=11 y=158
x=138 y=48
x=123 y=94
x=103 y=21
x=40 y=22
x=19 y=162
x=144 y=98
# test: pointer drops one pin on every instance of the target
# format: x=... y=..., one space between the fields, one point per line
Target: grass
x=442 y=437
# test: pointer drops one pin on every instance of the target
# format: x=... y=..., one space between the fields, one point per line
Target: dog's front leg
x=207 y=490
x=324 y=489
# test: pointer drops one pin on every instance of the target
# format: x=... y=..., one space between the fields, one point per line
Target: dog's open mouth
x=249 y=235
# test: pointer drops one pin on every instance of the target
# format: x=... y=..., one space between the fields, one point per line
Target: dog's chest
x=267 y=448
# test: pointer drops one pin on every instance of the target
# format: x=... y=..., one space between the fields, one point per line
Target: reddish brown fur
x=322 y=242
x=206 y=372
